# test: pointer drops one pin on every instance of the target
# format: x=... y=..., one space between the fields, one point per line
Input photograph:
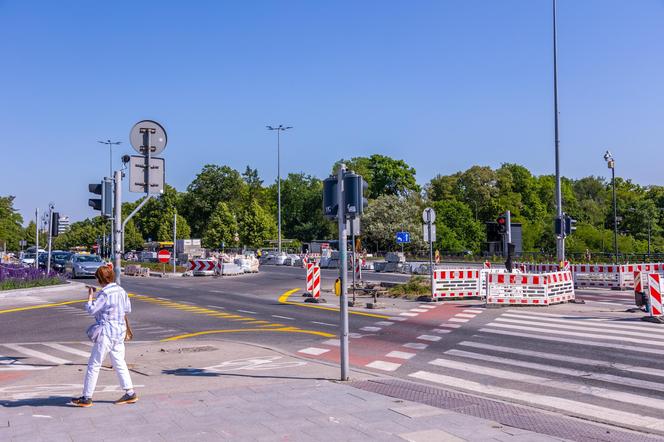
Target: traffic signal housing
x=105 y=203
x=354 y=190
x=502 y=224
x=558 y=226
x=330 y=200
x=55 y=223
x=570 y=225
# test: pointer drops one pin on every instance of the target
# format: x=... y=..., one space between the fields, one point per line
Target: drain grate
x=504 y=413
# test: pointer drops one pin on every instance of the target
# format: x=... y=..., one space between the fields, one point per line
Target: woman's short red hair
x=105 y=275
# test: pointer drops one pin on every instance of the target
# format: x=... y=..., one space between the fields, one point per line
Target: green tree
x=387 y=215
x=302 y=208
x=456 y=227
x=384 y=175
x=221 y=228
x=256 y=225
x=214 y=184
x=11 y=222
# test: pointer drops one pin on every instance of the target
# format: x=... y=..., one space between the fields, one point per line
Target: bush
x=415 y=287
x=14 y=276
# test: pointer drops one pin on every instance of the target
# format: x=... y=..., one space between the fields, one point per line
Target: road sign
x=148 y=132
x=137 y=174
x=425 y=232
x=403 y=237
x=164 y=255
x=429 y=215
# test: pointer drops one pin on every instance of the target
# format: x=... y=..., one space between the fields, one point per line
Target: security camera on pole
x=429 y=231
x=343 y=200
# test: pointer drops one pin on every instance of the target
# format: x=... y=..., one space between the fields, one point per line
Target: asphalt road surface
x=596 y=360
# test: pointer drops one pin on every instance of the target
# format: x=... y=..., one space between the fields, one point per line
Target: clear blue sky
x=442 y=84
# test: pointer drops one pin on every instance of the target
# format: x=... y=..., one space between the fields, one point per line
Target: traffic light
x=558 y=226
x=105 y=203
x=570 y=224
x=502 y=224
x=330 y=201
x=55 y=223
x=354 y=191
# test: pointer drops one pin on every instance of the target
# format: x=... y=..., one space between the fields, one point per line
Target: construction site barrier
x=457 y=283
x=313 y=279
x=136 y=270
x=655 y=294
x=529 y=289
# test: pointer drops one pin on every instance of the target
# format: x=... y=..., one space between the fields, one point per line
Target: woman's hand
x=91 y=292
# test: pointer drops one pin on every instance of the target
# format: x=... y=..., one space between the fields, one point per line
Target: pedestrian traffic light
x=570 y=225
x=502 y=224
x=55 y=223
x=330 y=200
x=105 y=203
x=363 y=201
x=354 y=191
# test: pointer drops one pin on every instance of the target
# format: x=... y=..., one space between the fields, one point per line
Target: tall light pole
x=279 y=129
x=611 y=163
x=560 y=240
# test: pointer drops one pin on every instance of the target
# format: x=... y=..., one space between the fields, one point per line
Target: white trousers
x=101 y=348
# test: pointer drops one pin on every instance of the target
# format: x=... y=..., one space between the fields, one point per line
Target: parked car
x=59 y=260
x=274 y=259
x=293 y=260
x=83 y=265
x=28 y=259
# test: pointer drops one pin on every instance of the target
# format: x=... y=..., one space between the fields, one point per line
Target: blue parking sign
x=403 y=237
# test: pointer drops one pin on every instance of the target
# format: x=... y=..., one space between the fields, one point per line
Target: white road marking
x=547 y=382
x=457 y=320
x=419 y=310
x=383 y=365
x=323 y=323
x=408 y=314
x=36 y=354
x=384 y=323
x=564 y=358
x=429 y=338
x=415 y=345
x=655 y=351
x=558 y=331
x=440 y=330
x=613 y=379
x=283 y=317
x=427 y=306
x=67 y=349
x=8 y=363
x=608 y=326
x=609 y=320
x=332 y=342
x=216 y=306
x=574 y=407
x=399 y=355
x=248 y=311
x=397 y=318
x=444 y=324
x=371 y=329
x=465 y=315
x=217 y=291
x=605 y=303
x=473 y=310
x=314 y=351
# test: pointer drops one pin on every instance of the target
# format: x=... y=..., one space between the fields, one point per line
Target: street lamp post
x=279 y=129
x=611 y=163
x=560 y=239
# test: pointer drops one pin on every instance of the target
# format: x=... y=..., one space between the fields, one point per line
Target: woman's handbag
x=129 y=335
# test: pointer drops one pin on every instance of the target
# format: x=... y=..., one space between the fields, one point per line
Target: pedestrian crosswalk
x=598 y=367
x=42 y=355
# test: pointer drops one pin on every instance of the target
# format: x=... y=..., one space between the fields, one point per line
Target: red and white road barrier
x=357 y=268
x=202 y=266
x=655 y=294
x=487 y=264
x=456 y=283
x=529 y=289
x=310 y=276
x=313 y=279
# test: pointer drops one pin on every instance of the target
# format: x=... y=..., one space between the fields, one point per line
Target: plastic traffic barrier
x=529 y=288
x=456 y=283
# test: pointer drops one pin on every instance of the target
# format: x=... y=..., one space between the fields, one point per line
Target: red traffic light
x=501 y=220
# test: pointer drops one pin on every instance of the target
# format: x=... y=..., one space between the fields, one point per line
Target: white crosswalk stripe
x=41 y=355
x=524 y=356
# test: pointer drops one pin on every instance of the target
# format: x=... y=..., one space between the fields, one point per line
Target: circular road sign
x=429 y=215
x=157 y=135
x=164 y=255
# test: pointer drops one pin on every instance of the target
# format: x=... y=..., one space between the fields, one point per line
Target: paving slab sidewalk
x=220 y=390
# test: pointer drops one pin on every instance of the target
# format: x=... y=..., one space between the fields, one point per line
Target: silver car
x=84 y=265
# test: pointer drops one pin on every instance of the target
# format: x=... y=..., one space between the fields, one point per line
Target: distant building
x=63 y=224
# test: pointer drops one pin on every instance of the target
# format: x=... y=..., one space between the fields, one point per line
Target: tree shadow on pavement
x=199 y=372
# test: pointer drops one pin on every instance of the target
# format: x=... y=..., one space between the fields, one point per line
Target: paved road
x=593 y=360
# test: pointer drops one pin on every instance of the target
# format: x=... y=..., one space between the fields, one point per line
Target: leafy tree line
x=224 y=206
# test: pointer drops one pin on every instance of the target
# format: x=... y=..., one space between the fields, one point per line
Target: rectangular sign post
x=429 y=231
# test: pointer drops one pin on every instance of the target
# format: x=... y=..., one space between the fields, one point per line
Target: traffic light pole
x=117 y=226
x=50 y=238
x=343 y=268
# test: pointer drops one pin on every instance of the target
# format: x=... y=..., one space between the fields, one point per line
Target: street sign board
x=164 y=255
x=429 y=215
x=148 y=132
x=403 y=237
x=425 y=233
x=353 y=225
x=137 y=174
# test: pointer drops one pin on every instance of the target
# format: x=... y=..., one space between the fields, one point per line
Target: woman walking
x=108 y=335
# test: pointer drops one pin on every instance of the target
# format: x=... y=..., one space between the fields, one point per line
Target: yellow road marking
x=283 y=299
x=280 y=330
x=34 y=307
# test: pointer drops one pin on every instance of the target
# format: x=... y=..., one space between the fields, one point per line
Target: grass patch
x=12 y=284
x=414 y=288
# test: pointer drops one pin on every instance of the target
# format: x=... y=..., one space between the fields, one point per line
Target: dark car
x=59 y=260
